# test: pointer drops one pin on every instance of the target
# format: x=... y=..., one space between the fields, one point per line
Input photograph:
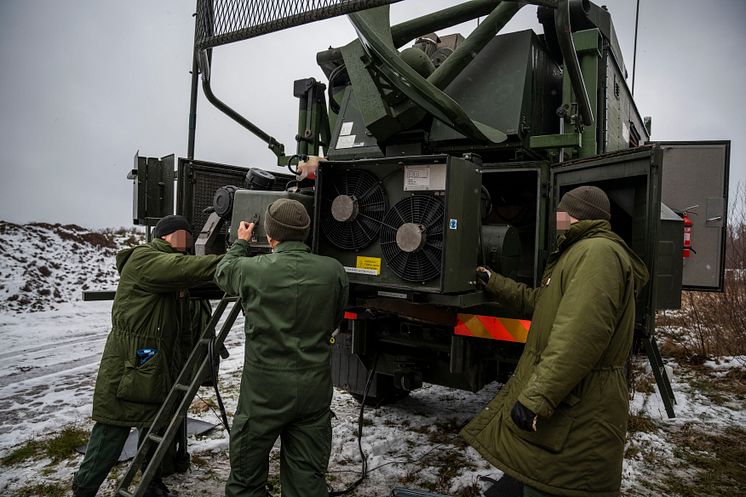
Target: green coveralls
x=145 y=314
x=293 y=301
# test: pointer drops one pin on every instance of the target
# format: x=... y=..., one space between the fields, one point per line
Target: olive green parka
x=145 y=314
x=571 y=373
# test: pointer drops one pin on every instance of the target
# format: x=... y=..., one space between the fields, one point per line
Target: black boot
x=79 y=492
x=158 y=489
x=505 y=487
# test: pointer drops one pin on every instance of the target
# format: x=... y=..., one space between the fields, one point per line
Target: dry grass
x=716 y=458
x=712 y=324
x=57 y=448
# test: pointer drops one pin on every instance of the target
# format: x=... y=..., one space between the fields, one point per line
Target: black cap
x=169 y=224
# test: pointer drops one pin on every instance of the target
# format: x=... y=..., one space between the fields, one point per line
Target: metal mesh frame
x=226 y=21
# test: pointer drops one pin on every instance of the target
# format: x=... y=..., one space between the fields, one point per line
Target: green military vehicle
x=442 y=153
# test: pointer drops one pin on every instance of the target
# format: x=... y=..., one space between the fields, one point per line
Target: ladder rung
x=124 y=493
x=179 y=386
x=155 y=438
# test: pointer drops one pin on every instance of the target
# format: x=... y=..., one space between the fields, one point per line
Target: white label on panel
x=347 y=141
x=395 y=295
x=425 y=177
x=358 y=270
x=346 y=128
x=416 y=177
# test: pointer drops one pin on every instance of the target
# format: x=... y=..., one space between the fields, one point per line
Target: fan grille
x=423 y=264
x=363 y=228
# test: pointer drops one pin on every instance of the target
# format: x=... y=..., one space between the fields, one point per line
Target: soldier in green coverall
x=558 y=425
x=293 y=301
x=141 y=357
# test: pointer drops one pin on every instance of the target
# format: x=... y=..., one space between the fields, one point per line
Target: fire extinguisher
x=687 y=236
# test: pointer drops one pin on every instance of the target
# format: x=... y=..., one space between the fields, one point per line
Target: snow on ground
x=703 y=414
x=48 y=384
x=50 y=359
x=43 y=265
x=47 y=366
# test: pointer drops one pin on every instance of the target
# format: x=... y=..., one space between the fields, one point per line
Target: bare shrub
x=710 y=323
x=104 y=240
x=78 y=235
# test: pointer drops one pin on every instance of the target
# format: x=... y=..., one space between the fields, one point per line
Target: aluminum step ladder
x=169 y=418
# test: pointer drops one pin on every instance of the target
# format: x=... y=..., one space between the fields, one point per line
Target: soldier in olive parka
x=559 y=424
x=140 y=360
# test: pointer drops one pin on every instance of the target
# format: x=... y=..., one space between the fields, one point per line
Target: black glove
x=483 y=276
x=523 y=417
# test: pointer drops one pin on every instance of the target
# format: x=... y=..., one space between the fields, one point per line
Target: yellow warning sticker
x=371 y=265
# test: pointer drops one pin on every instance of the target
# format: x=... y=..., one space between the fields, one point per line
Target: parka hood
x=602 y=229
x=124 y=255
x=122 y=258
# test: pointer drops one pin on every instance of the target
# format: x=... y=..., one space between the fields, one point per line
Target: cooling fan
x=353 y=208
x=412 y=238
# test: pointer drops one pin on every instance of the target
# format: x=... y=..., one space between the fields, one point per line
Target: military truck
x=442 y=153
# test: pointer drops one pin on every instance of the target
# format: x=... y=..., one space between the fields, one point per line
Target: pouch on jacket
x=144 y=384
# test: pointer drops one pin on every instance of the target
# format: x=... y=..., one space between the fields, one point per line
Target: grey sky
x=86 y=83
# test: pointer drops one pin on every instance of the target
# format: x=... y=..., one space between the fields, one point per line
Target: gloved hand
x=523 y=417
x=483 y=276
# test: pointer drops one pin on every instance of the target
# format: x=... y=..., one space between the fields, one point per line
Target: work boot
x=504 y=487
x=79 y=492
x=158 y=489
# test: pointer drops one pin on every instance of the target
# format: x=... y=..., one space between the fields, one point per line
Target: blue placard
x=453 y=224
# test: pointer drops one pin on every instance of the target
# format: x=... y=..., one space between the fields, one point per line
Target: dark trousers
x=304 y=456
x=291 y=405
x=104 y=447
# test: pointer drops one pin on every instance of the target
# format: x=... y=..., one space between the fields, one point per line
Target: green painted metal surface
x=574 y=140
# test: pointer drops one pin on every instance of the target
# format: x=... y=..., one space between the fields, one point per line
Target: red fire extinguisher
x=687 y=236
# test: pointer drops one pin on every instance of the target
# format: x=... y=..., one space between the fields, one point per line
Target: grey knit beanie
x=169 y=224
x=286 y=220
x=586 y=202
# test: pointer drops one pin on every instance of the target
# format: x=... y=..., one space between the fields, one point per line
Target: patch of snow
x=43 y=265
x=723 y=365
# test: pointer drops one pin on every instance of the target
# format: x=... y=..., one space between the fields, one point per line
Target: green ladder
x=173 y=411
x=660 y=373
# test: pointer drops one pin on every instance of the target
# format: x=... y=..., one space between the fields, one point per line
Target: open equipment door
x=695 y=184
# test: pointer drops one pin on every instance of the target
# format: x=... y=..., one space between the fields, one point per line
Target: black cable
x=297 y=158
x=333 y=104
x=363 y=455
x=214 y=376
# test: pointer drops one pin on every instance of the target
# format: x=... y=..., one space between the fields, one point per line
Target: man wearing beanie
x=293 y=301
x=139 y=363
x=559 y=424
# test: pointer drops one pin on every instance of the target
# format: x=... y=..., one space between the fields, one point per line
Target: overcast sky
x=87 y=83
